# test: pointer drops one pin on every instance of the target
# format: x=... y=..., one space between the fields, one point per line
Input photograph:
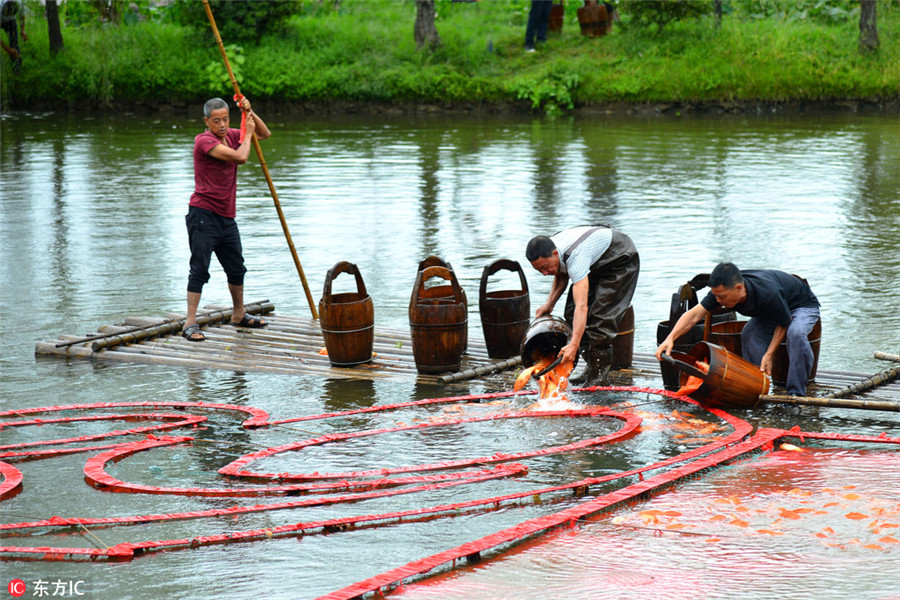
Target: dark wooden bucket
x=557 y=15
x=438 y=322
x=347 y=320
x=670 y=372
x=505 y=314
x=623 y=344
x=544 y=338
x=682 y=301
x=593 y=19
x=780 y=360
x=731 y=382
x=728 y=335
x=436 y=261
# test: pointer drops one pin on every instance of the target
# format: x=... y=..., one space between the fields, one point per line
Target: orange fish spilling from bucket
x=693 y=382
x=554 y=382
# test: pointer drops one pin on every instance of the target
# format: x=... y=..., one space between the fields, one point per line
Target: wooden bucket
x=682 y=301
x=438 y=321
x=728 y=335
x=593 y=19
x=347 y=320
x=436 y=261
x=670 y=372
x=731 y=382
x=557 y=15
x=544 y=338
x=780 y=360
x=623 y=344
x=505 y=314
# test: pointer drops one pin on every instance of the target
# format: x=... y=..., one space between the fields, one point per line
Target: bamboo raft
x=293 y=345
x=288 y=345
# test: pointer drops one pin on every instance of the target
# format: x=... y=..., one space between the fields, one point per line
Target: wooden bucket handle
x=500 y=265
x=433 y=261
x=443 y=273
x=337 y=269
x=689 y=369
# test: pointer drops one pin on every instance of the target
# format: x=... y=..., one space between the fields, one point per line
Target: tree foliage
x=649 y=13
x=245 y=20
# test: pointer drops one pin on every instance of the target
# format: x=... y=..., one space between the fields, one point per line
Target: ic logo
x=16 y=588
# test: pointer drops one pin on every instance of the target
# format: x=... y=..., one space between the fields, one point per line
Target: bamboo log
x=879 y=379
x=832 y=402
x=116 y=331
x=481 y=370
x=203 y=319
x=119 y=335
x=886 y=356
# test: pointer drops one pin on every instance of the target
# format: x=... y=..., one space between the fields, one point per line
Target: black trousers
x=210 y=233
x=538 y=19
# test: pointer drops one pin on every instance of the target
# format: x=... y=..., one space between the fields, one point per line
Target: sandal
x=251 y=322
x=191 y=331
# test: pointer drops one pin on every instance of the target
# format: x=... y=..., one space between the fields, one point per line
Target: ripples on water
x=92 y=231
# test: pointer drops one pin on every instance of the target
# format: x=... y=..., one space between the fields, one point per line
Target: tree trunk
x=868 y=30
x=425 y=31
x=717 y=10
x=53 y=29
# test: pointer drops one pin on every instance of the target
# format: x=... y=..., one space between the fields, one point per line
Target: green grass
x=366 y=52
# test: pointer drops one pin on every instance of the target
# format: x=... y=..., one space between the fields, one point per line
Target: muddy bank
x=348 y=107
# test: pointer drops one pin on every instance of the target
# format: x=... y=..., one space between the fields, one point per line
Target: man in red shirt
x=210 y=220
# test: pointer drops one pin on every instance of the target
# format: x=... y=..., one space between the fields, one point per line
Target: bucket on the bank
x=544 y=337
x=623 y=344
x=347 y=320
x=505 y=314
x=438 y=321
x=437 y=261
x=730 y=382
x=594 y=19
x=557 y=16
x=780 y=360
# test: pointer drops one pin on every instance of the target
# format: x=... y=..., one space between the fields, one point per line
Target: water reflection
x=59 y=247
x=340 y=395
x=429 y=188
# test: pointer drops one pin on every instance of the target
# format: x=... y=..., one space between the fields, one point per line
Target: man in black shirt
x=779 y=305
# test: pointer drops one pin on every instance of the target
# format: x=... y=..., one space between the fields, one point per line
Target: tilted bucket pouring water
x=731 y=381
x=544 y=338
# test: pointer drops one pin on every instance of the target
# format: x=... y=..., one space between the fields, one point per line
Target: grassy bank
x=365 y=52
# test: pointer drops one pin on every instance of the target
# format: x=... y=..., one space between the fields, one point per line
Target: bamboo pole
x=832 y=402
x=886 y=356
x=265 y=168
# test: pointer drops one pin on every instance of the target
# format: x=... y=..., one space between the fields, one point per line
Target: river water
x=92 y=231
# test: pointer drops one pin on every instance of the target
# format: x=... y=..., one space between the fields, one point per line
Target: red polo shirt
x=215 y=181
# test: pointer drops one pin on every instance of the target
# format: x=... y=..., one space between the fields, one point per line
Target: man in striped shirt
x=602 y=265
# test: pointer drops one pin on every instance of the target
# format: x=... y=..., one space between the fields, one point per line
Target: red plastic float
x=356 y=485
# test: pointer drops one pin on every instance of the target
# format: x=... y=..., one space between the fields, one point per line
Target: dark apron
x=611 y=283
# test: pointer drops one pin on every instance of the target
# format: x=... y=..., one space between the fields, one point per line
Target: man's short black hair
x=539 y=247
x=726 y=275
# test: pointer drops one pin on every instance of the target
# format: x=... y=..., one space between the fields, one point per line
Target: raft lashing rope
x=320 y=489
